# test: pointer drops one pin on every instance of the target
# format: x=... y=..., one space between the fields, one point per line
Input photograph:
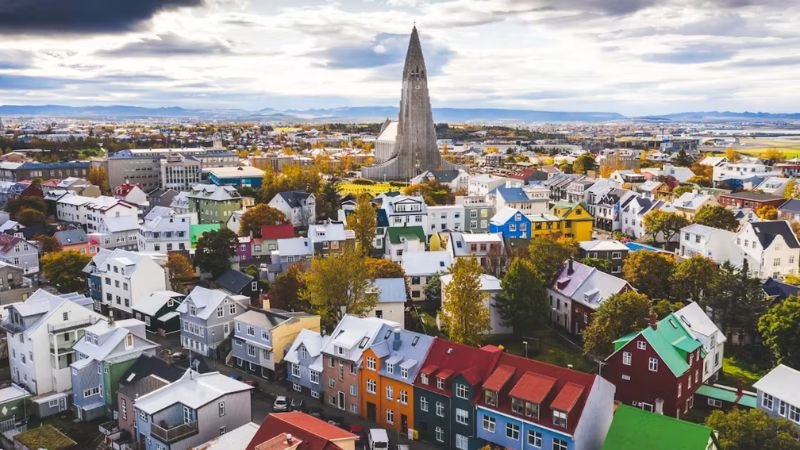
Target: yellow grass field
x=346 y=188
x=789 y=146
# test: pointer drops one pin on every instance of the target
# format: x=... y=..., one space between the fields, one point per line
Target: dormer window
x=129 y=341
x=364 y=342
x=518 y=406
x=490 y=397
x=560 y=419
x=389 y=368
x=339 y=350
x=440 y=383
x=423 y=378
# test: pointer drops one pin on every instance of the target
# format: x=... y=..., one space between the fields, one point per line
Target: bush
x=363 y=181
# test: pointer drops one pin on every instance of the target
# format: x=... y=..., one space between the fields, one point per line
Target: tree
x=256 y=217
x=791 y=189
x=329 y=202
x=731 y=154
x=752 y=429
x=433 y=192
x=682 y=159
x=599 y=264
x=30 y=216
x=547 y=254
x=285 y=291
x=779 y=331
x=522 y=302
x=47 y=244
x=99 y=177
x=736 y=299
x=716 y=216
x=691 y=278
x=464 y=313
x=384 y=268
x=680 y=190
x=180 y=270
x=583 y=164
x=617 y=316
x=363 y=221
x=767 y=212
x=64 y=270
x=663 y=307
x=339 y=284
x=668 y=224
x=649 y=272
x=13 y=207
x=433 y=290
x=215 y=250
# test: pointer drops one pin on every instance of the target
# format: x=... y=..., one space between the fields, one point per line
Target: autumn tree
x=522 y=301
x=98 y=177
x=603 y=265
x=363 y=221
x=215 y=250
x=293 y=177
x=692 y=278
x=339 y=284
x=790 y=191
x=731 y=155
x=780 y=331
x=668 y=224
x=716 y=216
x=29 y=216
x=649 y=272
x=15 y=206
x=548 y=254
x=662 y=308
x=256 y=217
x=767 y=212
x=753 y=429
x=433 y=192
x=180 y=270
x=465 y=316
x=64 y=270
x=47 y=244
x=285 y=292
x=384 y=268
x=583 y=164
x=617 y=316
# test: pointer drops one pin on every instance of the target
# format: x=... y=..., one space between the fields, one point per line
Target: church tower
x=415 y=149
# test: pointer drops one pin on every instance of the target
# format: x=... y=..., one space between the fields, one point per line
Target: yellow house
x=570 y=220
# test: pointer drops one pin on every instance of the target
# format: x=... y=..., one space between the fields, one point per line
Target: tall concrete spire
x=415 y=149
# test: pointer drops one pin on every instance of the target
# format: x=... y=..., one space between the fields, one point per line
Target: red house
x=657 y=369
x=297 y=430
x=750 y=199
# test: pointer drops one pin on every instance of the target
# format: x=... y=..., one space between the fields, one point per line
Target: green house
x=636 y=429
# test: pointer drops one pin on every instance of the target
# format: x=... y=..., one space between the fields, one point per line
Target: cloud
x=692 y=54
x=15 y=59
x=81 y=16
x=169 y=44
x=767 y=62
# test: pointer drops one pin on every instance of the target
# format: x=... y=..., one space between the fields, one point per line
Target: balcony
x=174 y=433
x=70 y=324
x=62 y=348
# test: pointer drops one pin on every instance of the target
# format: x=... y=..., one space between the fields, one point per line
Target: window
x=389 y=416
x=389 y=368
x=488 y=424
x=560 y=419
x=518 y=406
x=404 y=397
x=626 y=358
x=370 y=363
x=220 y=312
x=404 y=372
x=766 y=401
x=313 y=375
x=794 y=414
x=439 y=434
x=251 y=331
x=512 y=431
x=462 y=416
x=462 y=392
x=389 y=392
x=535 y=439
x=782 y=408
x=423 y=404
x=440 y=409
x=440 y=383
x=462 y=442
x=423 y=378
x=652 y=364
x=221 y=407
x=371 y=386
x=295 y=369
x=232 y=309
x=560 y=444
x=490 y=397
x=251 y=351
x=222 y=430
x=641 y=345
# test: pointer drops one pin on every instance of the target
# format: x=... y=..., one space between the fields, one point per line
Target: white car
x=281 y=404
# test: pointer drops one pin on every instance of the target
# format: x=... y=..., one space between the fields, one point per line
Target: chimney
x=396 y=341
x=653 y=321
x=570 y=270
x=739 y=391
x=289 y=438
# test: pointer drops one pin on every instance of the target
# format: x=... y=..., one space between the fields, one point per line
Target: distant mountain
x=458 y=114
x=703 y=116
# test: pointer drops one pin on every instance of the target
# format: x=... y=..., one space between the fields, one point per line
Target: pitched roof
x=698 y=322
x=753 y=195
x=391 y=290
x=778 y=289
x=146 y=365
x=207 y=300
x=294 y=198
x=632 y=427
x=587 y=285
x=426 y=263
x=766 y=232
x=399 y=234
x=403 y=348
x=604 y=245
x=192 y=389
x=316 y=434
x=71 y=236
x=450 y=359
x=233 y=281
x=791 y=205
x=153 y=303
x=282 y=231
x=781 y=382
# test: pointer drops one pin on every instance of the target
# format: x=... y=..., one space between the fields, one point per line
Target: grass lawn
x=548 y=346
x=735 y=372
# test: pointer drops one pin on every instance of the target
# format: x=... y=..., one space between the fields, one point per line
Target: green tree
x=433 y=290
x=736 y=299
x=464 y=314
x=433 y=192
x=363 y=221
x=522 y=302
x=384 y=268
x=215 y=250
x=329 y=202
x=285 y=292
x=649 y=272
x=682 y=159
x=753 y=429
x=256 y=217
x=180 y=270
x=47 y=244
x=30 y=216
x=583 y=164
x=64 y=270
x=692 y=278
x=599 y=264
x=780 y=331
x=548 y=254
x=339 y=284
x=15 y=206
x=716 y=216
x=617 y=316
x=663 y=307
x=668 y=224
x=680 y=190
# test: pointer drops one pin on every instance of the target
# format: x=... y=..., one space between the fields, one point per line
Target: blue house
x=235 y=176
x=512 y=223
x=304 y=362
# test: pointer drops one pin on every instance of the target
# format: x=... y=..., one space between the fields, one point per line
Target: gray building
x=207 y=320
x=612 y=251
x=304 y=360
x=477 y=212
x=191 y=411
x=180 y=172
x=779 y=394
x=144 y=166
x=212 y=203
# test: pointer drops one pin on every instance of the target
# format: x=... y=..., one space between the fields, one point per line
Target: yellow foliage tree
x=464 y=314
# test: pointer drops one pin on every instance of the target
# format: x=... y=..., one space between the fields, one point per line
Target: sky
x=634 y=57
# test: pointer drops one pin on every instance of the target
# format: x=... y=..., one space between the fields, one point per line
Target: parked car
x=298 y=404
x=281 y=404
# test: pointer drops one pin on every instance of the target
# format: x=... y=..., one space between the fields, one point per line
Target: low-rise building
x=770 y=248
x=400 y=241
x=122 y=277
x=713 y=243
x=421 y=267
x=612 y=251
x=211 y=203
x=632 y=427
x=487 y=248
x=304 y=363
x=445 y=218
x=164 y=230
x=708 y=333
x=299 y=207
x=392 y=298
x=477 y=212
x=207 y=320
x=778 y=395
x=21 y=253
x=235 y=176
x=750 y=199
x=297 y=430
x=159 y=311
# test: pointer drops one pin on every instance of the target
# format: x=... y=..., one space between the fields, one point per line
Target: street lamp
x=525 y=343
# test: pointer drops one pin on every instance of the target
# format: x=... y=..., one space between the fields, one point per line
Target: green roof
x=671 y=340
x=45 y=436
x=410 y=233
x=635 y=429
x=195 y=231
x=727 y=395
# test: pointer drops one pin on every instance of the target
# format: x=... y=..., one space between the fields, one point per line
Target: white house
x=420 y=267
x=706 y=331
x=483 y=184
x=445 y=218
x=41 y=332
x=127 y=277
x=770 y=248
x=405 y=211
x=298 y=207
x=690 y=202
x=778 y=394
x=392 y=299
x=163 y=230
x=92 y=212
x=742 y=170
x=490 y=287
x=710 y=242
x=632 y=216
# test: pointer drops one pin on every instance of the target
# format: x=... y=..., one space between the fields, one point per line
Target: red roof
x=532 y=387
x=474 y=364
x=523 y=174
x=7 y=242
x=568 y=397
x=316 y=434
x=282 y=231
x=498 y=378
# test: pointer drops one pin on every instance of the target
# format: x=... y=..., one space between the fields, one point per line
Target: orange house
x=387 y=378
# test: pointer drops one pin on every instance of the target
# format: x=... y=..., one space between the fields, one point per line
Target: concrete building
x=180 y=172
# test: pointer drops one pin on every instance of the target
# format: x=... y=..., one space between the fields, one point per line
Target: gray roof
x=233 y=281
x=391 y=290
x=767 y=230
x=71 y=236
x=294 y=198
x=781 y=382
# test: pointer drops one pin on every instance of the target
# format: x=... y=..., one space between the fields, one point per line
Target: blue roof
x=54 y=165
x=792 y=205
x=512 y=194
